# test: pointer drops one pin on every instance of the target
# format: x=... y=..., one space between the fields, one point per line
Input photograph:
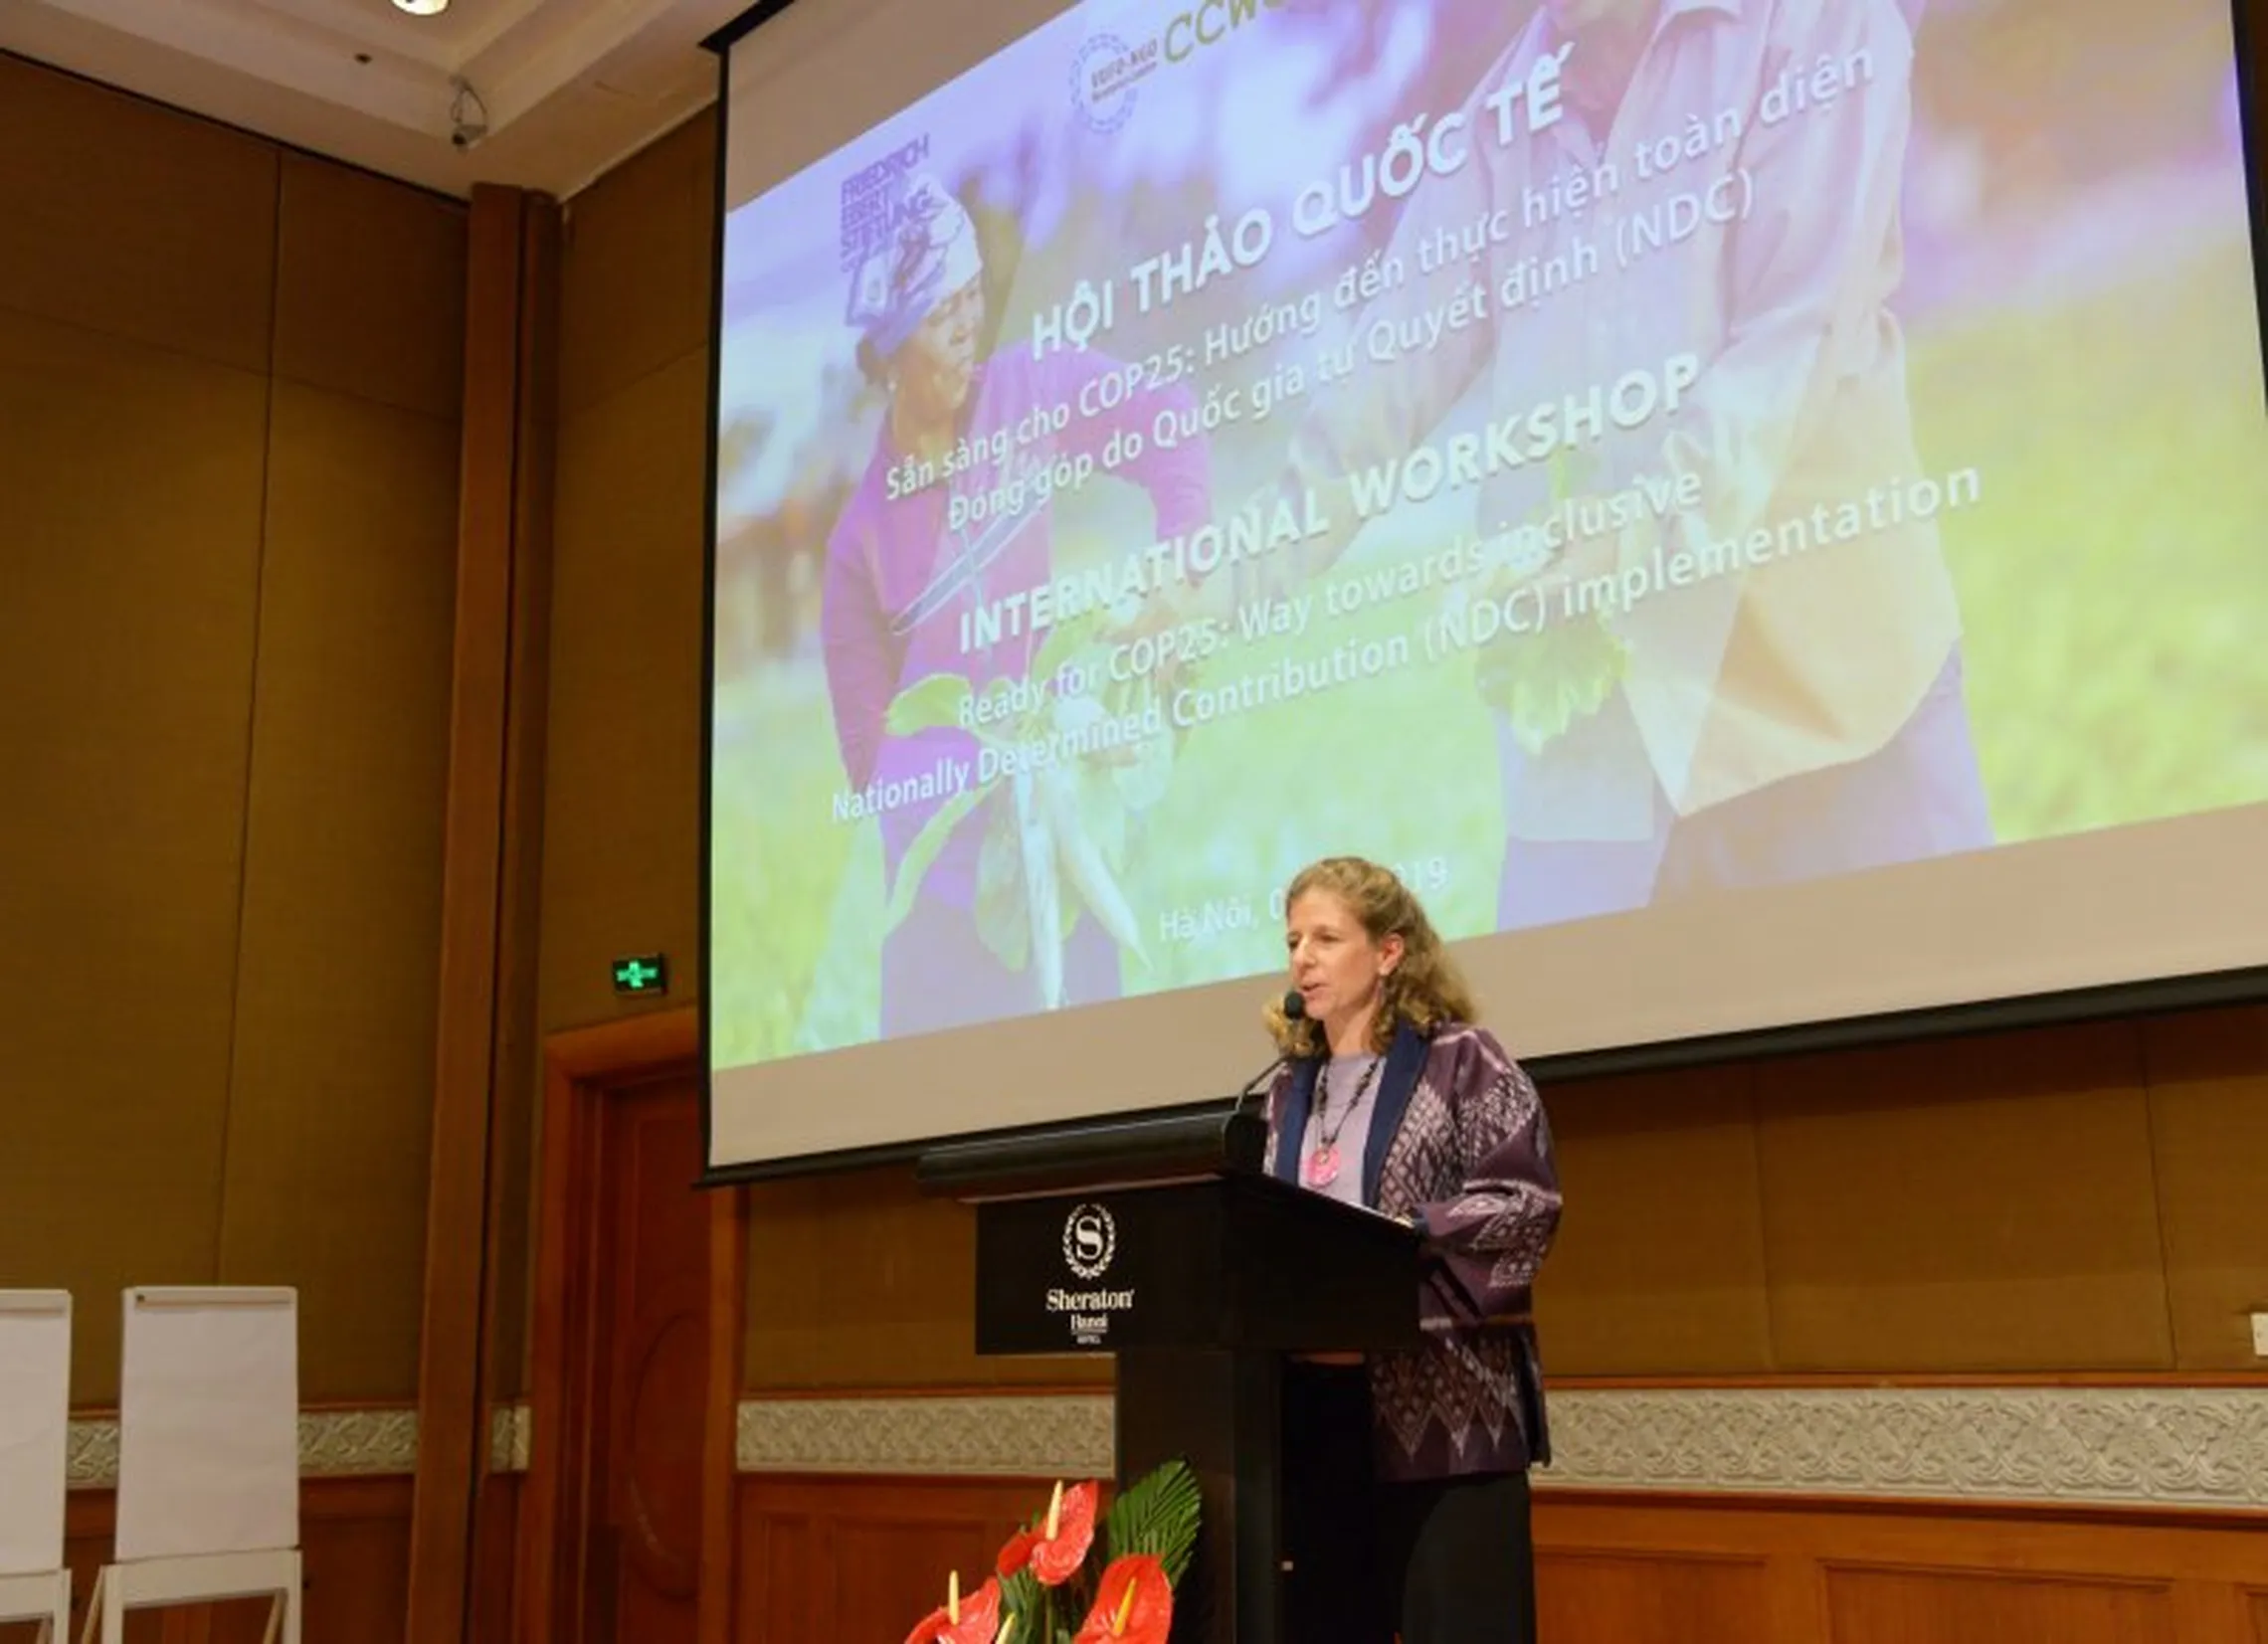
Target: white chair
x=35 y=1429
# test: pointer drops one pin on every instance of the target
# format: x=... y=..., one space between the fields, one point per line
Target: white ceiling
x=569 y=87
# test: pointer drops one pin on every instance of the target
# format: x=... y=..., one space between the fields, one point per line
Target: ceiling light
x=423 y=8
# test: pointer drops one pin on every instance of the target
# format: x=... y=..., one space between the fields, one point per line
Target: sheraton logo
x=1091 y=1240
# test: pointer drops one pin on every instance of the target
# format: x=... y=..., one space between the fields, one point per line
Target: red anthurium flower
x=1017 y=1551
x=1057 y=1548
x=978 y=1624
x=1134 y=1604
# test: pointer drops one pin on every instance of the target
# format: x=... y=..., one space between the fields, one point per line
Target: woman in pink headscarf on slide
x=904 y=567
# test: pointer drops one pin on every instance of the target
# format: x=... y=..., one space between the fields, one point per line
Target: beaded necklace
x=1322 y=1167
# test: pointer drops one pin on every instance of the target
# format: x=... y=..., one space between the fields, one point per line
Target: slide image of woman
x=907 y=561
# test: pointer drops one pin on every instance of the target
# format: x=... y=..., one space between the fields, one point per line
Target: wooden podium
x=1159 y=1241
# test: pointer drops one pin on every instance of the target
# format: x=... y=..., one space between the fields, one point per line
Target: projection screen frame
x=2158 y=996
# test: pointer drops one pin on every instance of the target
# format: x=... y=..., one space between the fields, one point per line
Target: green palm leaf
x=1019 y=1597
x=1157 y=1514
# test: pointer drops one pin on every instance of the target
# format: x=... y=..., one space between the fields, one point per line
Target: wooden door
x=651 y=1365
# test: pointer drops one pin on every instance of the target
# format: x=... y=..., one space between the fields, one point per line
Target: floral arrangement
x=1047 y=1577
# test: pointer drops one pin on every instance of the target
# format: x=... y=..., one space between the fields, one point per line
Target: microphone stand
x=1245 y=1131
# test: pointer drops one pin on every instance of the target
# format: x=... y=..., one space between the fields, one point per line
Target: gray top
x=1346 y=1092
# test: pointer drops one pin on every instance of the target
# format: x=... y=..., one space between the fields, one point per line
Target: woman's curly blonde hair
x=1425 y=989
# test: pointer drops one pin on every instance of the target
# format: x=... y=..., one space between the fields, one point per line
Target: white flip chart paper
x=209 y=1423
x=35 y=1427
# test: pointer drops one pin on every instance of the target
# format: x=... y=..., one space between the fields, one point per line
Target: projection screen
x=1754 y=507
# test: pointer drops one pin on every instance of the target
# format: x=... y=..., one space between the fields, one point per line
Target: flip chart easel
x=35 y=1428
x=208 y=1457
x=44 y=1599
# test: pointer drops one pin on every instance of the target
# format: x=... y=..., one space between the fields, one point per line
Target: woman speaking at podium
x=1405 y=1472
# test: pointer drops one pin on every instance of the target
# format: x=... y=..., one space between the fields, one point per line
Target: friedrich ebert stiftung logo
x=873 y=207
x=1091 y=1239
x=1103 y=76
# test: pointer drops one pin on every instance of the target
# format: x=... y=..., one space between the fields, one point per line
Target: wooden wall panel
x=621 y=827
x=370 y=289
x=1975 y=1184
x=1922 y=1572
x=495 y=1560
x=860 y=1559
x=1893 y=1607
x=637 y=272
x=485 y=881
x=520 y=1034
x=219 y=730
x=354 y=1543
x=133 y=485
x=1989 y=1205
x=1659 y=1265
x=2208 y=1110
x=779 y=1601
x=1652 y=1598
x=1973 y=1204
x=717 y=1611
x=333 y=1066
x=623 y=759
x=856 y=1557
x=860 y=1281
x=120 y=217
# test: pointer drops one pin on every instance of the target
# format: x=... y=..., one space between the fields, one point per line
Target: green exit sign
x=642 y=974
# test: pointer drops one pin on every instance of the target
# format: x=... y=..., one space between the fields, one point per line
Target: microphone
x=1245 y=1132
x=1295 y=1009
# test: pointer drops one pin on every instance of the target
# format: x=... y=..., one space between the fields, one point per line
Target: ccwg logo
x=1091 y=1239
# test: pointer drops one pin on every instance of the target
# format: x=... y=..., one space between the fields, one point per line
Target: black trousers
x=1443 y=1562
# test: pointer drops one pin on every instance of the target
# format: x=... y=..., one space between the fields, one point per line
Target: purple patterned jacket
x=1459 y=1141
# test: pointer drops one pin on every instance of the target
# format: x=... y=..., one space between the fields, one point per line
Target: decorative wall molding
x=2110 y=1446
x=337 y=1443
x=91 y=1461
x=511 y=1437
x=340 y=1443
x=1011 y=1435
x=2187 y=1448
